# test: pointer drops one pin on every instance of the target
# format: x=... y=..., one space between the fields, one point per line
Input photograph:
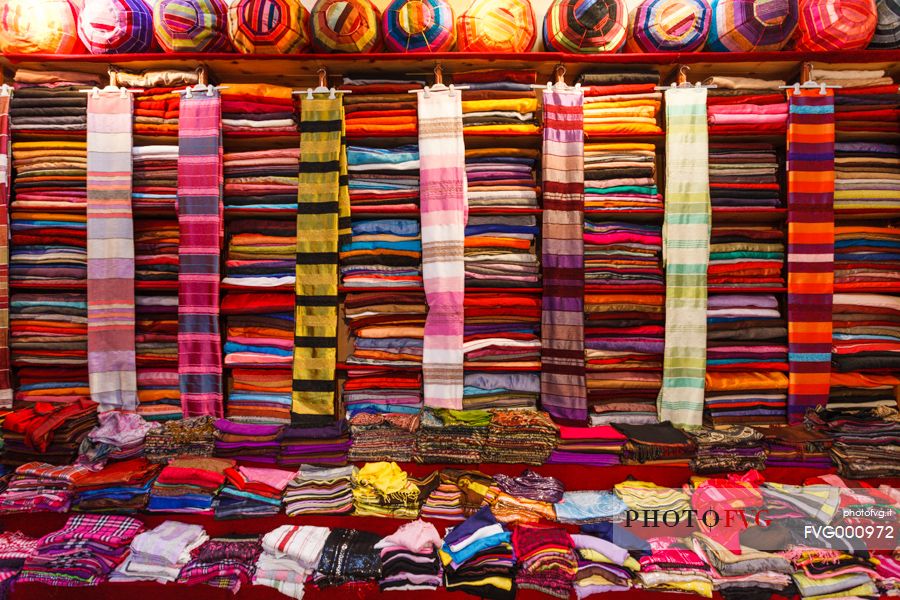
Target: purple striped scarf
x=5 y=383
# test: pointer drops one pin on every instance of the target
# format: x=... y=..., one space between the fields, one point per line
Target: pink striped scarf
x=5 y=383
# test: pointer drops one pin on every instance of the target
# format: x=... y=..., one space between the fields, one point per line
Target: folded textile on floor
x=602 y=566
x=673 y=566
x=251 y=491
x=289 y=555
x=47 y=432
x=409 y=558
x=38 y=486
x=118 y=487
x=865 y=441
x=547 y=560
x=349 y=556
x=478 y=546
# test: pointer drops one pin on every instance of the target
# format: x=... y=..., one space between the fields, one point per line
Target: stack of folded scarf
x=520 y=437
x=84 y=552
x=485 y=390
x=502 y=331
x=156 y=250
x=188 y=485
x=599 y=446
x=260 y=328
x=618 y=253
x=37 y=189
x=41 y=487
x=733 y=572
x=258 y=109
x=194 y=436
x=290 y=554
x=498 y=102
x=602 y=566
x=409 y=558
x=502 y=177
x=17 y=547
x=743 y=174
x=156 y=111
x=386 y=328
x=349 y=557
x=620 y=177
x=261 y=253
x=118 y=487
x=623 y=349
x=746 y=256
x=478 y=557
x=251 y=491
x=47 y=247
x=383 y=489
x=224 y=562
x=866 y=100
x=319 y=491
x=500 y=251
x=745 y=105
x=452 y=436
x=655 y=443
x=866 y=176
x=259 y=396
x=445 y=502
x=247 y=442
x=736 y=448
x=673 y=566
x=621 y=102
x=382 y=253
x=546 y=558
x=866 y=441
x=156 y=345
x=380 y=105
x=51 y=102
x=323 y=445
x=830 y=576
x=261 y=180
x=385 y=179
x=118 y=436
x=154 y=177
x=796 y=446
x=866 y=256
x=384 y=391
x=47 y=432
x=160 y=554
x=750 y=397
x=383 y=436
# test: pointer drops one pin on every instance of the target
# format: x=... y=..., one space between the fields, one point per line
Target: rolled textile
x=752 y=25
x=419 y=26
x=51 y=30
x=345 y=26
x=116 y=26
x=275 y=26
x=586 y=26
x=669 y=26
x=496 y=26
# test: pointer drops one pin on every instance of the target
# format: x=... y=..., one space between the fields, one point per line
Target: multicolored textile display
x=496 y=26
x=668 y=26
x=191 y=25
x=200 y=247
x=345 y=26
x=563 y=392
x=419 y=26
x=5 y=382
x=887 y=32
x=586 y=26
x=810 y=180
x=50 y=30
x=268 y=26
x=831 y=25
x=116 y=26
x=686 y=233
x=752 y=25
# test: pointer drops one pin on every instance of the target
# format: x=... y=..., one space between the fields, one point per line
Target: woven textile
x=669 y=26
x=323 y=224
x=587 y=26
x=686 y=232
x=50 y=30
x=116 y=26
x=887 y=32
x=563 y=392
x=419 y=26
x=345 y=26
x=5 y=383
x=200 y=231
x=751 y=25
x=828 y=25
x=496 y=26
x=810 y=172
x=191 y=25
x=110 y=253
x=268 y=26
x=444 y=209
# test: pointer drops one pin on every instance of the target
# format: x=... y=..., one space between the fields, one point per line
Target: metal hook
x=323 y=77
x=113 y=76
x=806 y=72
x=681 y=77
x=438 y=74
x=559 y=73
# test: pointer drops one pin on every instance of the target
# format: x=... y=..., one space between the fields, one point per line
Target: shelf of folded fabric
x=48 y=285
x=868 y=288
x=482 y=290
x=475 y=366
x=378 y=211
x=634 y=137
x=255 y=288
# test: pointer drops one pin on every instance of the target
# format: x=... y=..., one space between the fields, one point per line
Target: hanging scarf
x=810 y=171
x=5 y=383
x=110 y=253
x=200 y=227
x=444 y=210
x=686 y=232
x=323 y=224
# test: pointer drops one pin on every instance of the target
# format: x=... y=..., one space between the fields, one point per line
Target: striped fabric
x=669 y=26
x=268 y=26
x=116 y=26
x=496 y=26
x=5 y=383
x=686 y=255
x=110 y=253
x=323 y=224
x=419 y=26
x=833 y=25
x=51 y=30
x=201 y=230
x=587 y=26
x=191 y=25
x=887 y=32
x=810 y=172
x=345 y=26
x=563 y=391
x=444 y=209
x=751 y=25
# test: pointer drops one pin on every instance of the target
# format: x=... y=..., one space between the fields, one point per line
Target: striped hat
x=419 y=26
x=191 y=25
x=345 y=26
x=496 y=26
x=51 y=30
x=669 y=26
x=827 y=25
x=586 y=26
x=751 y=25
x=268 y=26
x=116 y=26
x=887 y=33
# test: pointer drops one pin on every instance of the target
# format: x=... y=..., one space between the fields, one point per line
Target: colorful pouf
x=191 y=25
x=829 y=25
x=887 y=32
x=50 y=30
x=419 y=26
x=669 y=26
x=116 y=26
x=268 y=26
x=586 y=26
x=496 y=26
x=751 y=25
x=345 y=26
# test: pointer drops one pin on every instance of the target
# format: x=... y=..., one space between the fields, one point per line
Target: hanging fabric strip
x=686 y=230
x=200 y=226
x=444 y=209
x=110 y=253
x=5 y=382
x=323 y=224
x=563 y=392
x=810 y=172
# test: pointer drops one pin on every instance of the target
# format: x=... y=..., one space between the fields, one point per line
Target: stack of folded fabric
x=502 y=177
x=154 y=178
x=380 y=105
x=383 y=489
x=452 y=436
x=620 y=177
x=445 y=502
x=41 y=487
x=655 y=443
x=382 y=253
x=84 y=552
x=866 y=255
x=323 y=445
x=224 y=562
x=381 y=436
x=733 y=448
x=484 y=390
x=251 y=491
x=623 y=350
x=156 y=250
x=17 y=547
x=409 y=558
x=258 y=110
x=261 y=253
x=290 y=554
x=156 y=112
x=546 y=559
x=599 y=446
x=247 y=442
x=618 y=253
x=385 y=179
x=745 y=105
x=746 y=256
x=734 y=572
x=502 y=331
x=498 y=102
x=386 y=328
x=478 y=557
x=673 y=566
x=796 y=446
x=319 y=491
x=159 y=554
x=188 y=485
x=47 y=246
x=866 y=176
x=259 y=396
x=866 y=100
x=50 y=433
x=866 y=441
x=118 y=487
x=261 y=180
x=621 y=102
x=118 y=436
x=156 y=345
x=602 y=566
x=520 y=437
x=382 y=391
x=500 y=251
x=743 y=174
x=643 y=496
x=194 y=436
x=348 y=557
